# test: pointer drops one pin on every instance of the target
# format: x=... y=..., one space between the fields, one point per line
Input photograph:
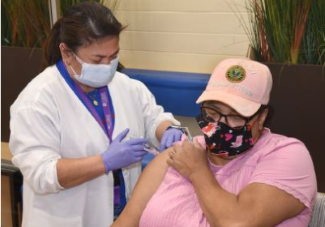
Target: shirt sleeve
x=35 y=145
x=153 y=114
x=288 y=167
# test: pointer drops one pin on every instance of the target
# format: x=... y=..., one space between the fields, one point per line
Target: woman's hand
x=188 y=159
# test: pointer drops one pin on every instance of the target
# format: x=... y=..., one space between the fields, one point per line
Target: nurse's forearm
x=162 y=128
x=73 y=172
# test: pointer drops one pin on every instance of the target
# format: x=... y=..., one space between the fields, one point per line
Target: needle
x=187 y=133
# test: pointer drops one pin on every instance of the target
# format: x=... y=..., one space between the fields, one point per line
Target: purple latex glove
x=170 y=136
x=120 y=154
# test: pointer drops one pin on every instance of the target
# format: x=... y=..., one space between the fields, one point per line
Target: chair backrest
x=318 y=216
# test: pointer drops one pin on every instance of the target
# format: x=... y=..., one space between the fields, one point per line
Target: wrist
x=105 y=164
x=184 y=130
x=174 y=127
x=162 y=128
x=200 y=174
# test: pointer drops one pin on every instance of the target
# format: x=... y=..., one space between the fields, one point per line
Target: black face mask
x=224 y=141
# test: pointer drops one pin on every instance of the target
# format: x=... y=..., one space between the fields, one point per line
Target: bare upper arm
x=146 y=186
x=268 y=204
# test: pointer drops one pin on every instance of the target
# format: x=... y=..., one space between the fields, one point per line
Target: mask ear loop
x=260 y=123
x=74 y=71
x=78 y=59
x=260 y=127
x=81 y=63
x=254 y=122
x=68 y=63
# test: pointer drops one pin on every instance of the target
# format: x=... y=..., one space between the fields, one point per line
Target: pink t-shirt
x=274 y=160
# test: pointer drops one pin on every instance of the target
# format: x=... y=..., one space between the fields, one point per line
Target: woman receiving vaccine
x=238 y=173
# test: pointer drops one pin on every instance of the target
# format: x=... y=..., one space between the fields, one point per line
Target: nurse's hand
x=170 y=136
x=120 y=154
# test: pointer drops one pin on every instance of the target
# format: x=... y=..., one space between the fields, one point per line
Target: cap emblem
x=236 y=74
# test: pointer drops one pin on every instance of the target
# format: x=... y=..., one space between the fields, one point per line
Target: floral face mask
x=223 y=140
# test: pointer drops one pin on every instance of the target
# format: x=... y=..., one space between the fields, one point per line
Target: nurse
x=79 y=128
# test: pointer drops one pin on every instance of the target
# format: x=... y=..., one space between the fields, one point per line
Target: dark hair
x=269 y=116
x=80 y=25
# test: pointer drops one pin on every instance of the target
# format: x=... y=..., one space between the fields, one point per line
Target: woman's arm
x=73 y=172
x=146 y=186
x=256 y=205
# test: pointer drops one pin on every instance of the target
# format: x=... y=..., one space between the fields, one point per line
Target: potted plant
x=289 y=37
x=24 y=28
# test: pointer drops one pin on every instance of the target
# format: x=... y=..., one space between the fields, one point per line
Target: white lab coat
x=49 y=122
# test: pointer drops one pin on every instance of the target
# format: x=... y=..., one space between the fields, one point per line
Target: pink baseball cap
x=241 y=83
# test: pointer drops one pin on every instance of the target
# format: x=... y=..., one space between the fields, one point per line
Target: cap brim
x=242 y=106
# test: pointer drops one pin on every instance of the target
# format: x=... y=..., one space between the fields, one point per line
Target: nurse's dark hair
x=81 y=24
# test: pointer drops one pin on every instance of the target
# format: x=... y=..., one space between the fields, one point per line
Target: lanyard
x=106 y=102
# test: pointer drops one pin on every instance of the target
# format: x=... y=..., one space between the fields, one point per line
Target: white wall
x=181 y=35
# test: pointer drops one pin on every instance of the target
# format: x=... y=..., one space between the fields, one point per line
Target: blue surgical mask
x=96 y=75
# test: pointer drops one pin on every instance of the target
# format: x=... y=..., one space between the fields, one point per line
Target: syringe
x=150 y=149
